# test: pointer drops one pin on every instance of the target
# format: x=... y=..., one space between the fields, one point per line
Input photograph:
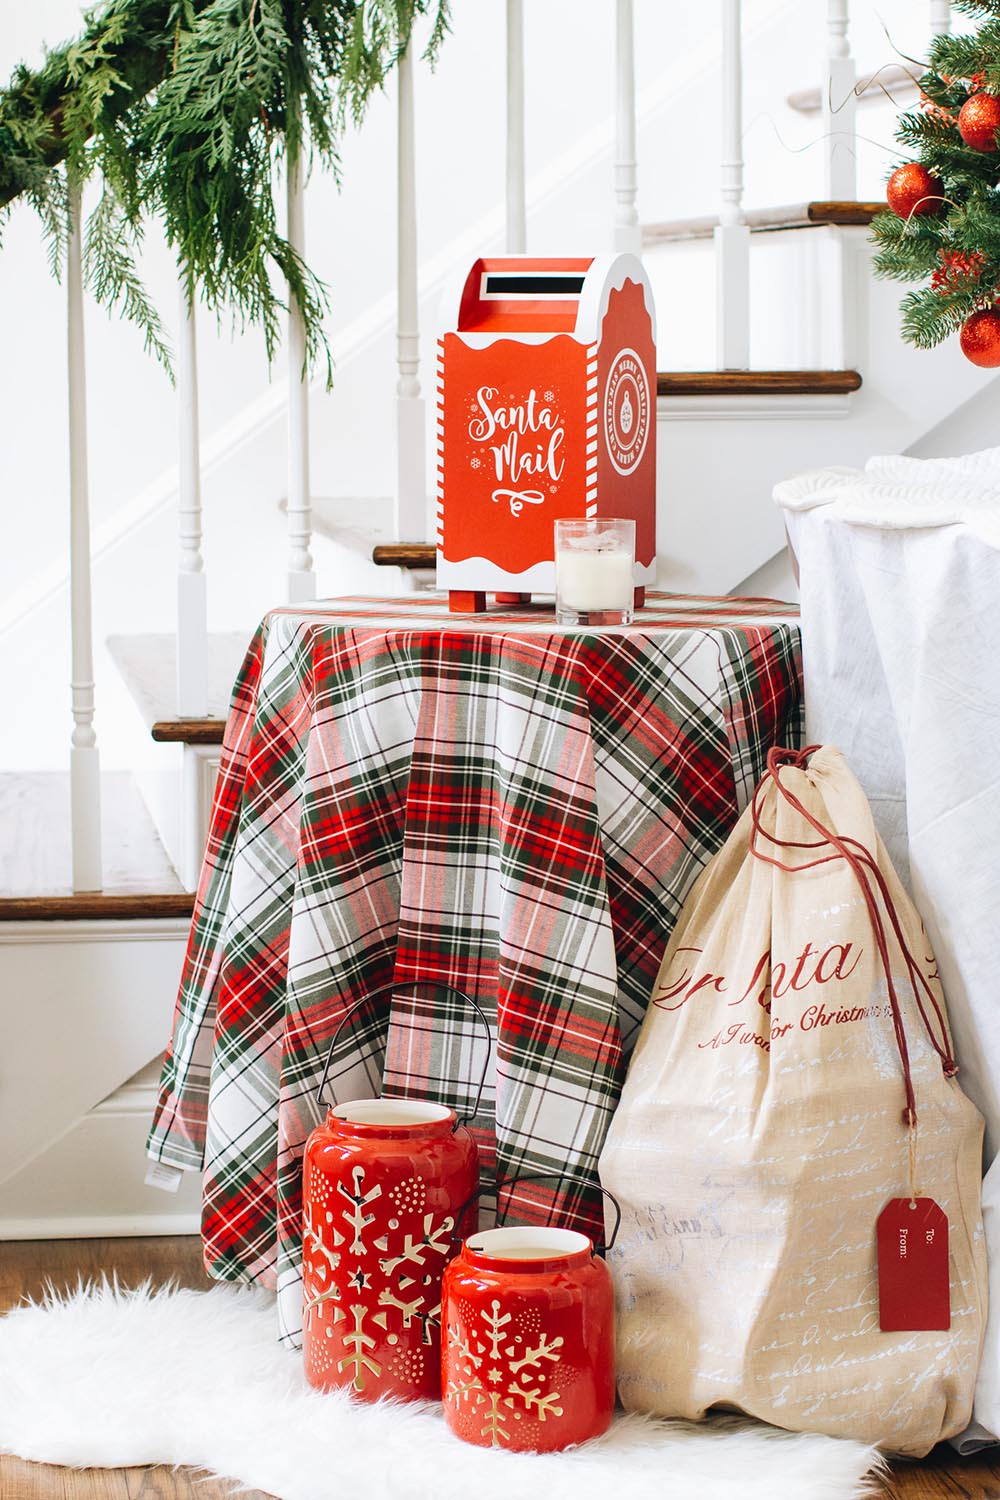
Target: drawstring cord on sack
x=918 y=980
x=865 y=870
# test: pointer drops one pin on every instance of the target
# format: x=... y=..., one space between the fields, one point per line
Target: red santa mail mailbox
x=546 y=407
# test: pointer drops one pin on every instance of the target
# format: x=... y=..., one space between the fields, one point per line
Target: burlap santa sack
x=791 y=1091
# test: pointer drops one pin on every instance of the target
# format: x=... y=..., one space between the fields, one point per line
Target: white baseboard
x=99 y=1227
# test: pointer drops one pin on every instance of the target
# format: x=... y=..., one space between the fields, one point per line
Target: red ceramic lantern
x=388 y=1189
x=528 y=1355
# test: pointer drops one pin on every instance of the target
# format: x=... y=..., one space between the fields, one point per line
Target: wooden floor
x=26 y=1266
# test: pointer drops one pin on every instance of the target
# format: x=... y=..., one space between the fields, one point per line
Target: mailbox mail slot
x=546 y=407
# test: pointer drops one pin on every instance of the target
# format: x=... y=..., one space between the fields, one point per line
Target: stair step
x=766 y=220
x=411 y=555
x=355 y=521
x=757 y=382
x=36 y=858
x=148 y=665
x=207 y=731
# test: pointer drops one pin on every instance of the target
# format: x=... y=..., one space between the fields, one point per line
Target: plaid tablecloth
x=492 y=802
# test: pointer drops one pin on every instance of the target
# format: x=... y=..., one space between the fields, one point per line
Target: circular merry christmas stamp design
x=626 y=411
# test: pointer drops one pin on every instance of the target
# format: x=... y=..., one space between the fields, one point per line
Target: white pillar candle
x=591 y=579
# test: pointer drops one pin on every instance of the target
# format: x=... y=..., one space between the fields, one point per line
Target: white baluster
x=411 y=463
x=940 y=17
x=192 y=603
x=732 y=236
x=84 y=760
x=839 y=107
x=301 y=577
x=628 y=235
x=516 y=215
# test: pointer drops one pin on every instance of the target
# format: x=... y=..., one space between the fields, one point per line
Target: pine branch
x=949 y=94
x=185 y=110
x=378 y=36
x=908 y=250
x=962 y=55
x=48 y=115
x=940 y=148
x=929 y=318
x=110 y=272
x=976 y=226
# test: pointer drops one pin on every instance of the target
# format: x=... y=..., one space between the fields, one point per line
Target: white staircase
x=829 y=382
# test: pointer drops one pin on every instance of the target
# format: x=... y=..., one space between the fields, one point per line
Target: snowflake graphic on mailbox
x=546 y=405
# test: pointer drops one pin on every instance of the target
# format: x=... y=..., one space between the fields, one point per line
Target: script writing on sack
x=771 y=980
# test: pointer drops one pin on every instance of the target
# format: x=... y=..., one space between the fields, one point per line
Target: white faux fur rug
x=109 y=1378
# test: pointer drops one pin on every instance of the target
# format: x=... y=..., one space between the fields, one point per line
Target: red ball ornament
x=979 y=121
x=980 y=339
x=914 y=190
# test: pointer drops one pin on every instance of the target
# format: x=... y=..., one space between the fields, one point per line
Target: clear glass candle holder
x=595 y=571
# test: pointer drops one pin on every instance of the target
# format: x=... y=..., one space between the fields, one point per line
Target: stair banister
x=732 y=235
x=517 y=234
x=85 y=767
x=192 y=603
x=839 y=106
x=301 y=577
x=411 y=462
x=628 y=235
x=939 y=18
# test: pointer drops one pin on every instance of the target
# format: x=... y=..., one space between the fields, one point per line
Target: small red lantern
x=528 y=1327
x=388 y=1189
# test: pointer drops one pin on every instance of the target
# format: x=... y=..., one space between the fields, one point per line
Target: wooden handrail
x=757 y=382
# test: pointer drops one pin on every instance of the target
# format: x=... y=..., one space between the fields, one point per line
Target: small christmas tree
x=943 y=220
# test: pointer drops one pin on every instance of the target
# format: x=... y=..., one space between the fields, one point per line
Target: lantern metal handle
x=394 y=988
x=509 y=1182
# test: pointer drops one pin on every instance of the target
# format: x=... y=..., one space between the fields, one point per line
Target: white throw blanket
x=896 y=493
x=108 y=1378
x=900 y=583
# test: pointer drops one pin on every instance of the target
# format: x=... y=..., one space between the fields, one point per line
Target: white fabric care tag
x=160 y=1175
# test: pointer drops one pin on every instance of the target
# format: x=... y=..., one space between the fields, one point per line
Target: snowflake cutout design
x=321 y=1260
x=356 y=1216
x=520 y=1389
x=359 y=1343
x=353 y=1249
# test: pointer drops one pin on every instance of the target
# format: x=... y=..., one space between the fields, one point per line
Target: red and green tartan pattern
x=500 y=805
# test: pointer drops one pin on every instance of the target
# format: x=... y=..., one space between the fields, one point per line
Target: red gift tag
x=914 y=1285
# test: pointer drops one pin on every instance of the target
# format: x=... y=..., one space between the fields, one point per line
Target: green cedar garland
x=958 y=247
x=183 y=110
